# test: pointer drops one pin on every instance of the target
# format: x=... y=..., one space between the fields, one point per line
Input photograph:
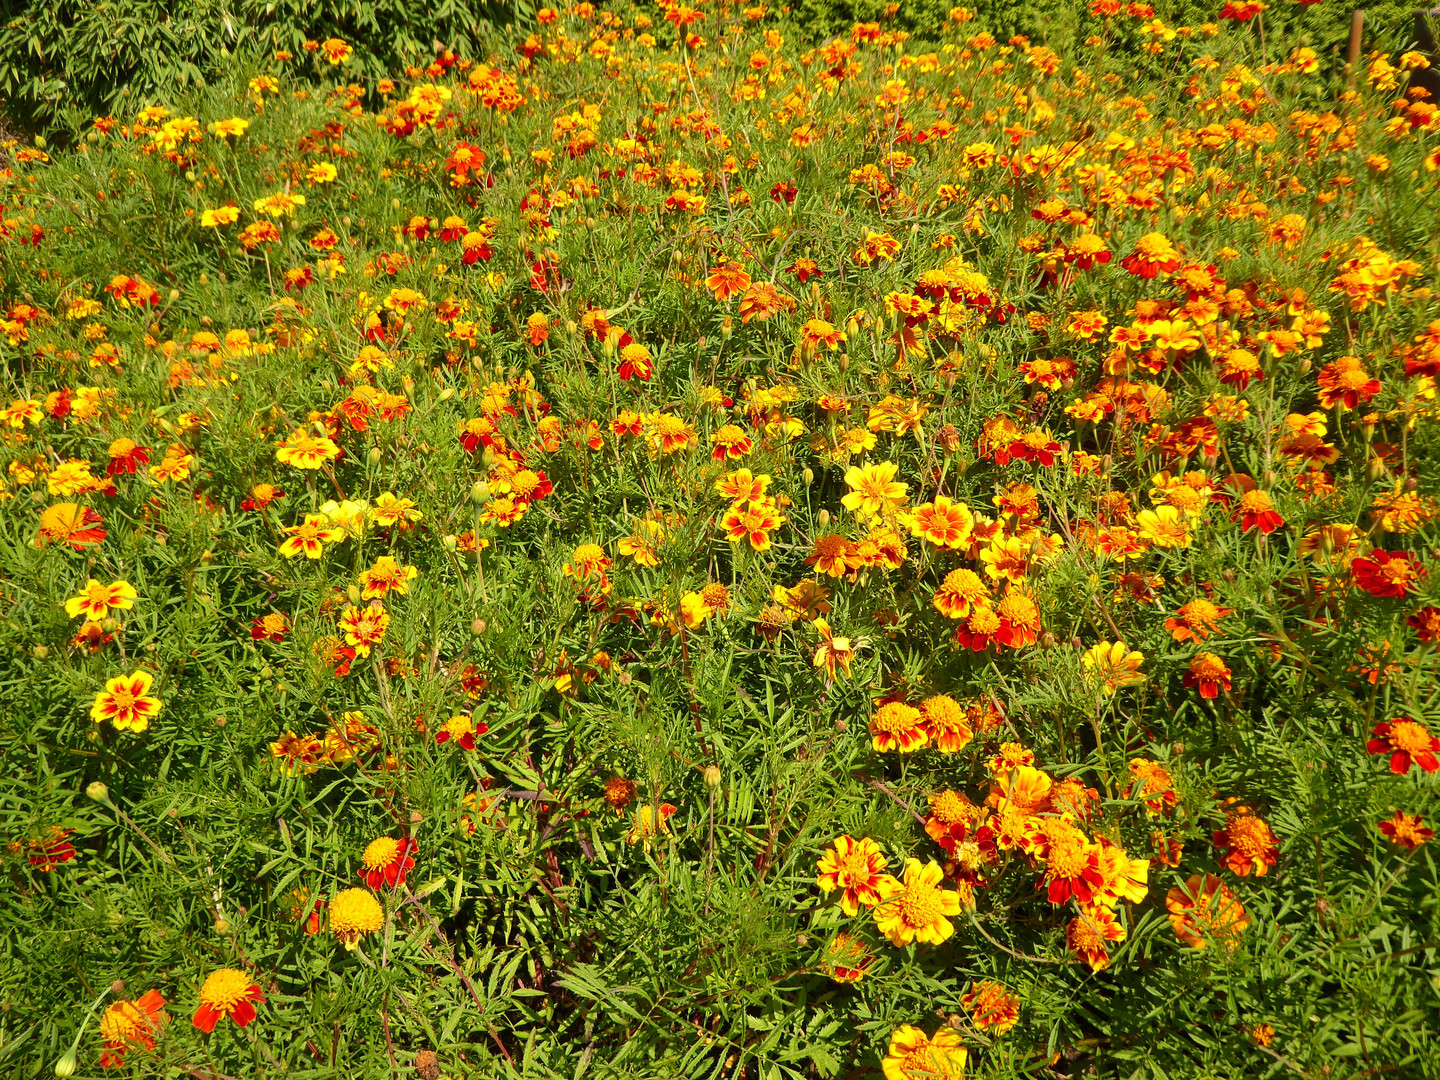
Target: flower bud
x=727 y=328
x=824 y=518
x=1304 y=366
x=353 y=592
x=712 y=776
x=447 y=393
x=802 y=940
x=451 y=542
x=222 y=926
x=67 y=1065
x=100 y=793
x=478 y=627
x=40 y=652
x=374 y=455
x=808 y=476
x=479 y=492
x=844 y=361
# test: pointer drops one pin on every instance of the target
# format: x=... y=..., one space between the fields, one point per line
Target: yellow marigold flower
x=96 y=601
x=916 y=909
x=125 y=702
x=873 y=489
x=856 y=868
x=914 y=1056
x=223 y=215
x=355 y=912
x=1110 y=666
x=306 y=450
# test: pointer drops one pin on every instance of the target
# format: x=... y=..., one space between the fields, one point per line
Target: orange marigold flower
x=1196 y=621
x=830 y=555
x=1204 y=910
x=855 y=867
x=128 y=1024
x=385 y=861
x=1406 y=831
x=1408 y=742
x=1154 y=254
x=1346 y=383
x=1247 y=843
x=1385 y=573
x=227 y=992
x=1088 y=933
x=946 y=724
x=915 y=1056
x=897 y=726
x=991 y=1006
x=1209 y=674
x=847 y=958
x=952 y=818
x=1154 y=785
x=961 y=592
x=945 y=523
x=1256 y=511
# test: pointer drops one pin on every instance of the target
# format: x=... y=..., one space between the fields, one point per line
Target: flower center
x=380 y=853
x=1409 y=736
x=920 y=905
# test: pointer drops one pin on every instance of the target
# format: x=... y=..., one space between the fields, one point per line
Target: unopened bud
x=712 y=776
x=40 y=652
x=727 y=328
x=353 y=592
x=222 y=926
x=451 y=542
x=479 y=492
x=844 y=361
x=373 y=457
x=447 y=393
x=802 y=940
x=100 y=793
x=1304 y=366
x=478 y=627
x=67 y=1065
x=207 y=558
x=808 y=476
x=841 y=725
x=824 y=518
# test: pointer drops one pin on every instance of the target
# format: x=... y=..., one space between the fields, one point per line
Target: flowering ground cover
x=672 y=550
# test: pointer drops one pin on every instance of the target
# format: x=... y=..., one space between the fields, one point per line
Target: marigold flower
x=847 y=958
x=124 y=702
x=227 y=992
x=897 y=726
x=1153 y=255
x=991 y=1006
x=946 y=723
x=944 y=523
x=1408 y=742
x=1406 y=831
x=297 y=754
x=916 y=909
x=126 y=1025
x=1255 y=511
x=385 y=861
x=754 y=523
x=1072 y=862
x=874 y=491
x=961 y=592
x=855 y=867
x=462 y=729
x=1246 y=843
x=915 y=1056
x=310 y=537
x=1154 y=785
x=96 y=601
x=1196 y=620
x=1109 y=666
x=643 y=827
x=364 y=627
x=1204 y=911
x=353 y=913
x=306 y=450
x=1388 y=574
x=1209 y=674
x=1089 y=932
x=69 y=523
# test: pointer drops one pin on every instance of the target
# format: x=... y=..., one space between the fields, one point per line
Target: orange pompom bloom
x=1088 y=935
x=1406 y=831
x=951 y=818
x=1204 y=910
x=897 y=726
x=1209 y=674
x=1246 y=843
x=960 y=593
x=946 y=723
x=992 y=1006
x=1408 y=742
x=1153 y=254
x=855 y=867
x=1196 y=620
x=128 y=1024
x=227 y=992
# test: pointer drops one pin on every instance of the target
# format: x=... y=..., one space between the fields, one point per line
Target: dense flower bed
x=674 y=552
